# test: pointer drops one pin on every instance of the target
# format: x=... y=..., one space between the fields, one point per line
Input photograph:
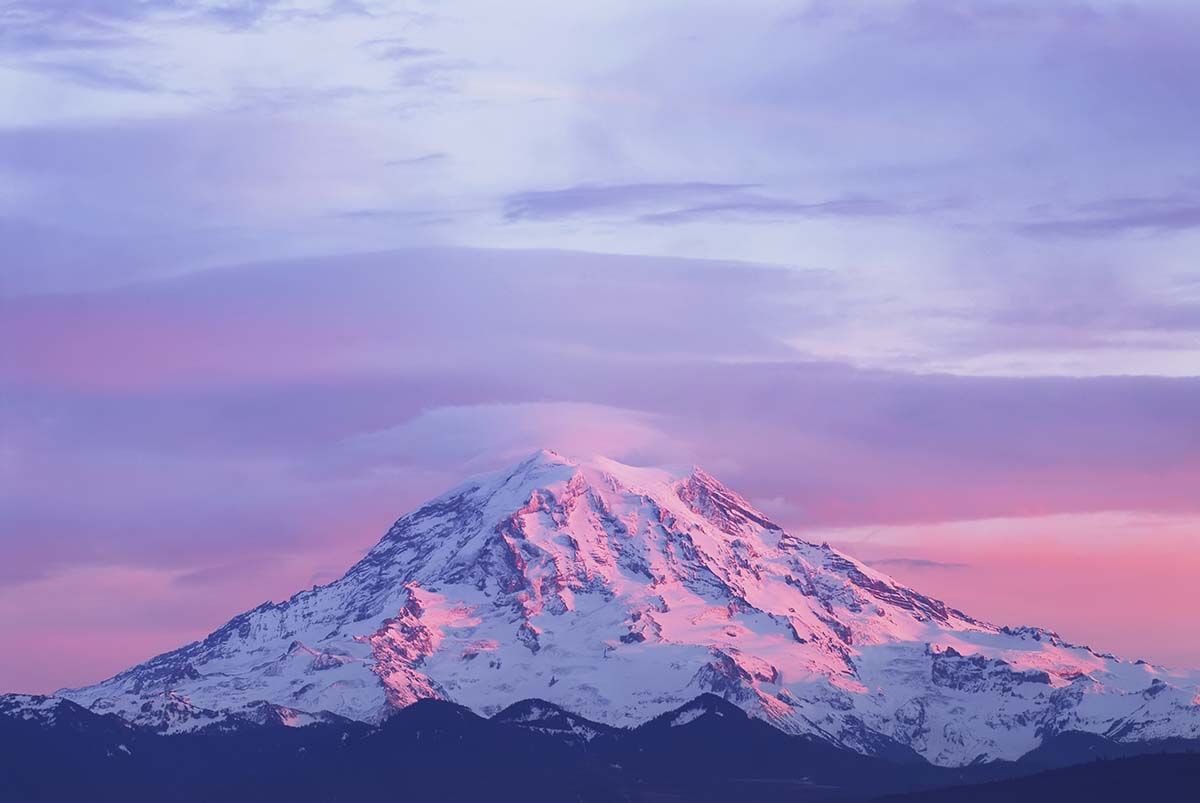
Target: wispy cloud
x=425 y=158
x=22 y=39
x=916 y=563
x=425 y=216
x=679 y=202
x=398 y=49
x=1119 y=215
x=608 y=198
x=97 y=76
x=769 y=209
x=246 y=14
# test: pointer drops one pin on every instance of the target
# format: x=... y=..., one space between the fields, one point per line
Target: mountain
x=541 y=716
x=54 y=750
x=620 y=593
x=708 y=749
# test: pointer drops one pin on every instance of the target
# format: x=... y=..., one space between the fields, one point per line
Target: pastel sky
x=919 y=277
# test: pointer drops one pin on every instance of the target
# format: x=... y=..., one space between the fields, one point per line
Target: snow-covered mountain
x=620 y=593
x=165 y=713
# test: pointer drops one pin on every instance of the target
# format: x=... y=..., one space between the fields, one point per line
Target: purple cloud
x=99 y=76
x=398 y=49
x=682 y=202
x=776 y=209
x=274 y=400
x=1119 y=215
x=584 y=199
x=887 y=564
x=424 y=158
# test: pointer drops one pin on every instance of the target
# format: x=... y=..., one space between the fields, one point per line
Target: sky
x=917 y=277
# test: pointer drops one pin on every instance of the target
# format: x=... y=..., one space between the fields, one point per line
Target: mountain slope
x=620 y=593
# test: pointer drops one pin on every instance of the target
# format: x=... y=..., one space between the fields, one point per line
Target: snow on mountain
x=620 y=593
x=707 y=705
x=37 y=708
x=544 y=717
x=171 y=712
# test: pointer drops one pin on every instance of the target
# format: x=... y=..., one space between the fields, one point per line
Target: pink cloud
x=1120 y=582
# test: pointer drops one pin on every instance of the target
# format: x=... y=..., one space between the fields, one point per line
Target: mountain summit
x=620 y=593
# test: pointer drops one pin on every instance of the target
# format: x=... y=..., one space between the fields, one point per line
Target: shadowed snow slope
x=620 y=593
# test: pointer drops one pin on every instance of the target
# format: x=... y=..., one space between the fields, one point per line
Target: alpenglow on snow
x=619 y=593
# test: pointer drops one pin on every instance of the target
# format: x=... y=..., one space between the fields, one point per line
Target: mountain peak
x=546 y=470
x=548 y=457
x=546 y=717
